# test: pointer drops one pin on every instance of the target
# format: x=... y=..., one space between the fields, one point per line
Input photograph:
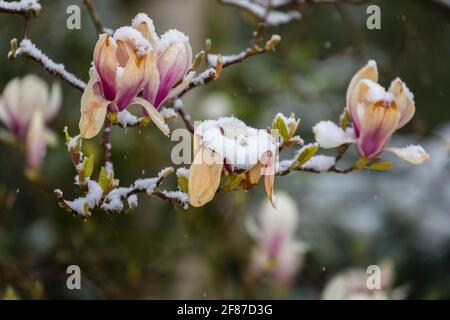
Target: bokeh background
x=348 y=222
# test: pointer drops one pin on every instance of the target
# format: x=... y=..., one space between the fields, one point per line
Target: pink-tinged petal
x=145 y=26
x=36 y=141
x=93 y=109
x=152 y=86
x=175 y=92
x=404 y=100
x=269 y=177
x=355 y=93
x=379 y=123
x=106 y=62
x=412 y=154
x=54 y=102
x=174 y=61
x=154 y=114
x=133 y=79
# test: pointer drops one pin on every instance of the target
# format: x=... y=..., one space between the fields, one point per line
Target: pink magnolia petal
x=405 y=101
x=36 y=141
x=105 y=60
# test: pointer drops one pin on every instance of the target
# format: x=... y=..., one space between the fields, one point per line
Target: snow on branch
x=23 y=7
x=29 y=50
x=263 y=10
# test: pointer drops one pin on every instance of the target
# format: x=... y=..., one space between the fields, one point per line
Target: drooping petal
x=329 y=135
x=154 y=114
x=369 y=71
x=106 y=64
x=93 y=109
x=54 y=102
x=204 y=177
x=412 y=154
x=36 y=143
x=175 y=92
x=404 y=100
x=379 y=123
x=269 y=176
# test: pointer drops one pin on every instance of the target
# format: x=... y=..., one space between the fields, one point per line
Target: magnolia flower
x=277 y=250
x=122 y=66
x=375 y=115
x=228 y=143
x=174 y=60
x=26 y=107
x=352 y=284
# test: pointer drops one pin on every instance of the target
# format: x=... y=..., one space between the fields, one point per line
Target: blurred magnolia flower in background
x=375 y=114
x=26 y=107
x=277 y=252
x=133 y=60
x=351 y=284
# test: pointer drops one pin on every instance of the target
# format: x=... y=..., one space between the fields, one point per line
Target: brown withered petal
x=204 y=177
x=254 y=174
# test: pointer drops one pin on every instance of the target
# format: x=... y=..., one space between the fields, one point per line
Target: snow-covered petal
x=145 y=26
x=369 y=71
x=413 y=154
x=329 y=135
x=404 y=100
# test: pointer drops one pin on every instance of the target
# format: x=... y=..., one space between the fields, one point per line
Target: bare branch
x=94 y=16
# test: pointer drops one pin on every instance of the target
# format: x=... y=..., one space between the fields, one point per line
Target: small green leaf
x=232 y=182
x=302 y=157
x=88 y=166
x=345 y=120
x=381 y=166
x=280 y=125
x=66 y=134
x=183 y=183
x=103 y=179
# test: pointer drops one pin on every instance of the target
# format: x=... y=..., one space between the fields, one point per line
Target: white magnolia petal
x=413 y=154
x=329 y=135
x=36 y=141
x=54 y=102
x=154 y=114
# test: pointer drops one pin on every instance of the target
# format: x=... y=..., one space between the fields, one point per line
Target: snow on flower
x=123 y=65
x=26 y=108
x=228 y=143
x=277 y=251
x=375 y=115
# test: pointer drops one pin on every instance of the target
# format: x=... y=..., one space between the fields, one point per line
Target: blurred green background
x=162 y=252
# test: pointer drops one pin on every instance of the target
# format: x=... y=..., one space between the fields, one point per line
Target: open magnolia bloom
x=375 y=115
x=174 y=60
x=122 y=66
x=229 y=144
x=26 y=107
x=277 y=251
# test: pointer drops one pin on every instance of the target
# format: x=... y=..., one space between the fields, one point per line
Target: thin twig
x=94 y=16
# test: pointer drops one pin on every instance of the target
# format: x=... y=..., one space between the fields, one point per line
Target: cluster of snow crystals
x=202 y=77
x=377 y=92
x=130 y=34
x=21 y=6
x=178 y=196
x=132 y=201
x=170 y=37
x=231 y=138
x=168 y=113
x=77 y=205
x=273 y=18
x=407 y=92
x=183 y=172
x=165 y=172
x=178 y=104
x=113 y=201
x=94 y=194
x=330 y=135
x=72 y=143
x=143 y=18
x=212 y=58
x=28 y=47
x=149 y=184
x=109 y=167
x=125 y=118
x=320 y=163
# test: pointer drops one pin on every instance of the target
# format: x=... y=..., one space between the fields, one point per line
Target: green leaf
x=183 y=183
x=381 y=166
x=66 y=133
x=280 y=125
x=88 y=166
x=232 y=182
x=302 y=157
x=103 y=179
